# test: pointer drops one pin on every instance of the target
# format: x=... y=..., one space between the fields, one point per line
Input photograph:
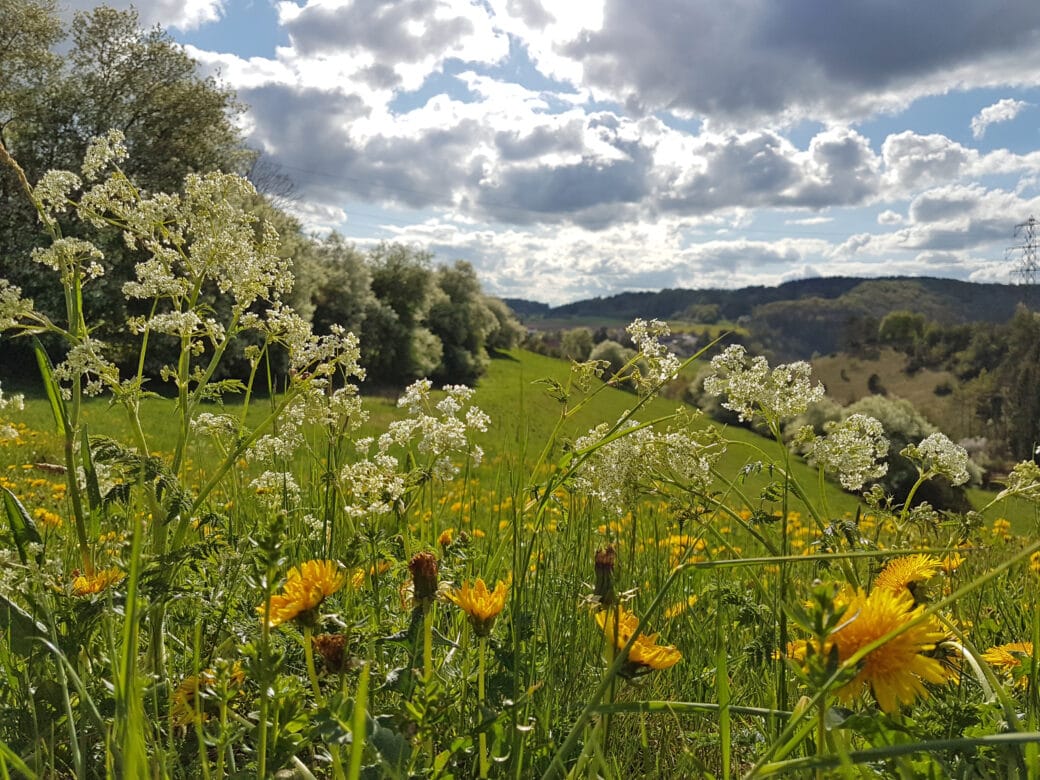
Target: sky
x=572 y=149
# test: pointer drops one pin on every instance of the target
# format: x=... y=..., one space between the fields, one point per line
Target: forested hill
x=948 y=301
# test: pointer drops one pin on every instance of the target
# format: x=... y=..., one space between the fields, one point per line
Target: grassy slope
x=523 y=416
x=846 y=381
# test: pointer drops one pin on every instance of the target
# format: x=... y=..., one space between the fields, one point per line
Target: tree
x=396 y=347
x=508 y=331
x=1020 y=375
x=341 y=289
x=114 y=75
x=462 y=321
x=614 y=353
x=901 y=329
x=576 y=344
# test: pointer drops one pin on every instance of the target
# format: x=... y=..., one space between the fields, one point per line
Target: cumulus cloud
x=574 y=149
x=751 y=58
x=1001 y=111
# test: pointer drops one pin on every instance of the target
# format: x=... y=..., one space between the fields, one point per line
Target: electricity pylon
x=1024 y=254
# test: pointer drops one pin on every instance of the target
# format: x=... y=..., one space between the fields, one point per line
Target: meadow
x=559 y=573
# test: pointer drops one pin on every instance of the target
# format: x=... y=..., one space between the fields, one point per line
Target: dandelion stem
x=482 y=737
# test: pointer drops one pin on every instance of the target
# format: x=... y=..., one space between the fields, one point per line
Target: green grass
x=729 y=610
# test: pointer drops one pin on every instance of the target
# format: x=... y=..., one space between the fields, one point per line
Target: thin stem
x=482 y=738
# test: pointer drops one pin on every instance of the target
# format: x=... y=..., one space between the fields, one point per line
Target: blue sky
x=585 y=148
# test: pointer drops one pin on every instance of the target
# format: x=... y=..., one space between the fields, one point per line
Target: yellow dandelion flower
x=186 y=703
x=903 y=573
x=48 y=518
x=896 y=671
x=951 y=563
x=646 y=655
x=680 y=607
x=482 y=606
x=1008 y=659
x=304 y=590
x=446 y=536
x=83 y=585
x=1034 y=562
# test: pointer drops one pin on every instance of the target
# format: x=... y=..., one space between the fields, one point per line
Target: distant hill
x=809 y=316
x=957 y=301
x=524 y=308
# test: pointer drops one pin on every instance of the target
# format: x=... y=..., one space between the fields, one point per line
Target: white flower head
x=751 y=388
x=659 y=364
x=102 y=152
x=854 y=449
x=940 y=456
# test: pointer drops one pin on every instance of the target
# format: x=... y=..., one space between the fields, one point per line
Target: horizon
x=577 y=151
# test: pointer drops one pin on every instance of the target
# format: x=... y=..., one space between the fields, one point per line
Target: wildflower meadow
x=558 y=573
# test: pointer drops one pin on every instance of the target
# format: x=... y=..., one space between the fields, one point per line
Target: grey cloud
x=532 y=12
x=512 y=145
x=745 y=58
x=846 y=171
x=945 y=204
x=577 y=192
x=380 y=26
x=915 y=161
x=739 y=170
x=303 y=129
x=168 y=13
x=763 y=169
x=380 y=76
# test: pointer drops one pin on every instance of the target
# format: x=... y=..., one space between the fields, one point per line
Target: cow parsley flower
x=659 y=364
x=854 y=449
x=751 y=388
x=939 y=456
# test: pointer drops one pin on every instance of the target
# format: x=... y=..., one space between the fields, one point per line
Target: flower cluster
x=939 y=456
x=854 y=449
x=439 y=431
x=643 y=460
x=750 y=387
x=659 y=365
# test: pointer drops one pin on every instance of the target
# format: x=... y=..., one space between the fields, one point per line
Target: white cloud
x=180 y=14
x=651 y=140
x=1001 y=111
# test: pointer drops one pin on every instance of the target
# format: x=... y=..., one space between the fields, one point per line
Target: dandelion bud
x=605 y=559
x=330 y=647
x=424 y=577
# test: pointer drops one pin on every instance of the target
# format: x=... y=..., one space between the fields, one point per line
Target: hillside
x=954 y=300
x=798 y=319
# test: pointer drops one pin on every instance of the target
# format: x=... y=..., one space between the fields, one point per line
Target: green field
x=156 y=663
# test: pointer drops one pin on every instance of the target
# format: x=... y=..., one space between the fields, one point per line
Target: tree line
x=60 y=86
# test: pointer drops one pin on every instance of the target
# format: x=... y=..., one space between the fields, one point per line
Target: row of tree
x=414 y=318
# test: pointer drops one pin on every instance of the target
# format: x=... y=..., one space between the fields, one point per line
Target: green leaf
x=61 y=417
x=90 y=475
x=22 y=526
x=19 y=627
